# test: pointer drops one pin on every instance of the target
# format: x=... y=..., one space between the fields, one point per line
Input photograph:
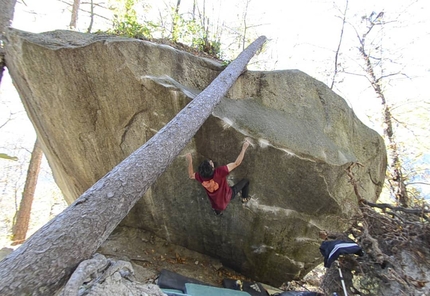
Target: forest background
x=372 y=53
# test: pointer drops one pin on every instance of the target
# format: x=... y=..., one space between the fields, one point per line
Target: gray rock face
x=95 y=99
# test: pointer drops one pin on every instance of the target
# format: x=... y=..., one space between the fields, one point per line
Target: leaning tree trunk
x=23 y=216
x=7 y=8
x=44 y=262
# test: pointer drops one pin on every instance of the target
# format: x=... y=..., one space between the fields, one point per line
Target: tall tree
x=43 y=263
x=175 y=19
x=376 y=62
x=90 y=26
x=6 y=14
x=20 y=227
x=7 y=8
x=245 y=25
x=336 y=56
x=396 y=177
x=75 y=12
x=244 y=30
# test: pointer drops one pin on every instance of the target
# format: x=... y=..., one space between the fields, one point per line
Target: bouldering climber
x=214 y=181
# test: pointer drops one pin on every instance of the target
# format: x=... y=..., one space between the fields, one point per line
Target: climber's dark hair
x=205 y=169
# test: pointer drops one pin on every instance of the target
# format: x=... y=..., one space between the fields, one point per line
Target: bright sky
x=302 y=35
x=297 y=29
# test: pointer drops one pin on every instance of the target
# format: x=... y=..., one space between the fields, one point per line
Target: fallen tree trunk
x=42 y=265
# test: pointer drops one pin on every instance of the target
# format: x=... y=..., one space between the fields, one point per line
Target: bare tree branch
x=384 y=206
x=418 y=183
x=7 y=120
x=338 y=46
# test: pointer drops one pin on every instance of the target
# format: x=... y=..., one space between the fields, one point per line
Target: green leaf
x=5 y=156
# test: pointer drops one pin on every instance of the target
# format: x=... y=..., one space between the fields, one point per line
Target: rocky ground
x=149 y=254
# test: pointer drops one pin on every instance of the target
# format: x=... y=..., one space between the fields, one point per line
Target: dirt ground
x=150 y=254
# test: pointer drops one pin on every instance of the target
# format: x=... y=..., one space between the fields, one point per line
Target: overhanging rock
x=95 y=99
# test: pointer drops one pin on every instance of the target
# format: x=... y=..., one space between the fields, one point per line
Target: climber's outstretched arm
x=191 y=173
x=231 y=166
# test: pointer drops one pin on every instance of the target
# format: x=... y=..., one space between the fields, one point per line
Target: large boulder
x=95 y=99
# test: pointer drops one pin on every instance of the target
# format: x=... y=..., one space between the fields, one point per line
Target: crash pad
x=201 y=290
x=173 y=292
x=299 y=293
x=172 y=280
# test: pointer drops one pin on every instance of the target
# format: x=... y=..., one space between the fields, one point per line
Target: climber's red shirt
x=217 y=188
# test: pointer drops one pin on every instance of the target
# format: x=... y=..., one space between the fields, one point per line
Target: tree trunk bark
x=23 y=216
x=7 y=8
x=174 y=22
x=75 y=12
x=43 y=263
x=90 y=26
x=6 y=14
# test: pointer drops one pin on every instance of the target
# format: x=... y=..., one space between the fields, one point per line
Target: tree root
x=387 y=233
